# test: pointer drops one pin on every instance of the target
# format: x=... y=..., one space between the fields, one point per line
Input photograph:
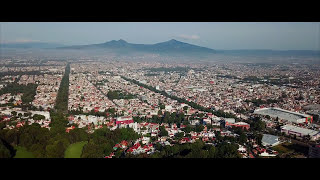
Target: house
x=145 y=140
x=124 y=121
x=70 y=128
x=206 y=121
x=242 y=125
x=242 y=149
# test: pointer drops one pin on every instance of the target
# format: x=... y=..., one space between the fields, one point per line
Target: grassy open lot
x=23 y=153
x=291 y=150
x=282 y=148
x=75 y=150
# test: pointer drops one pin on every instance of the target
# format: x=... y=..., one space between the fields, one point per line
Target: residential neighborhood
x=166 y=106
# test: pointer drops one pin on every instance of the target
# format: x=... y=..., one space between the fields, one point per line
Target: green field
x=23 y=153
x=75 y=150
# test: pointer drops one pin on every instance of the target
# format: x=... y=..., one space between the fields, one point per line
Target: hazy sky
x=228 y=35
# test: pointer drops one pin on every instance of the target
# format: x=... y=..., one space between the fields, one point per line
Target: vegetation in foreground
x=23 y=153
x=75 y=150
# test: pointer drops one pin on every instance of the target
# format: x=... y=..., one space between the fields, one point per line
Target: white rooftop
x=303 y=131
x=282 y=114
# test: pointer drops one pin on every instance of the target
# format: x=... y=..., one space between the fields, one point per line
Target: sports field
x=75 y=150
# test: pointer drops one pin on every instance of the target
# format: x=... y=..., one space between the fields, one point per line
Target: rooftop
x=281 y=113
x=303 y=131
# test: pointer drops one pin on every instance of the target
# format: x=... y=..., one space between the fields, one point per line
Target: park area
x=75 y=150
x=23 y=153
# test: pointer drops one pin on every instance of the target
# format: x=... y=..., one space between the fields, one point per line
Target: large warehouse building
x=300 y=132
x=291 y=116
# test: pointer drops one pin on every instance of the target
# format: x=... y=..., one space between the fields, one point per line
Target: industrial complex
x=285 y=115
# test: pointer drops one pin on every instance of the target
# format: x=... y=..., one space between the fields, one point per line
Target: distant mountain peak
x=174 y=41
x=121 y=40
x=115 y=41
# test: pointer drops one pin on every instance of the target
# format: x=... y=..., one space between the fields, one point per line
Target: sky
x=215 y=35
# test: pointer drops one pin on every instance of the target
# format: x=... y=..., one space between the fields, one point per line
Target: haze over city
x=160 y=90
x=215 y=35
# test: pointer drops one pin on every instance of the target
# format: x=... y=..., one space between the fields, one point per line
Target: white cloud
x=188 y=37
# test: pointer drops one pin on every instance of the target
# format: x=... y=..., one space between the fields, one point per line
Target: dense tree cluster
x=4 y=151
x=197 y=149
x=119 y=95
x=40 y=141
x=101 y=142
x=256 y=124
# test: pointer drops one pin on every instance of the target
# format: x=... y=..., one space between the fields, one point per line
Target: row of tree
x=63 y=93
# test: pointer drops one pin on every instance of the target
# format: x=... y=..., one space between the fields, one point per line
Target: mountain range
x=171 y=46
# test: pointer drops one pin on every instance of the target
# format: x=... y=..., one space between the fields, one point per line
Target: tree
x=227 y=150
x=162 y=106
x=38 y=150
x=38 y=117
x=258 y=138
x=218 y=135
x=243 y=138
x=13 y=113
x=2 y=125
x=212 y=152
x=199 y=128
x=4 y=152
x=179 y=135
x=188 y=129
x=163 y=131
x=56 y=150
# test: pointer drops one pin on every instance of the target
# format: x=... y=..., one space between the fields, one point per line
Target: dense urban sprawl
x=153 y=109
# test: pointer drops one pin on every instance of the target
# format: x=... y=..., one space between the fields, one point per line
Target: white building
x=290 y=116
x=300 y=132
